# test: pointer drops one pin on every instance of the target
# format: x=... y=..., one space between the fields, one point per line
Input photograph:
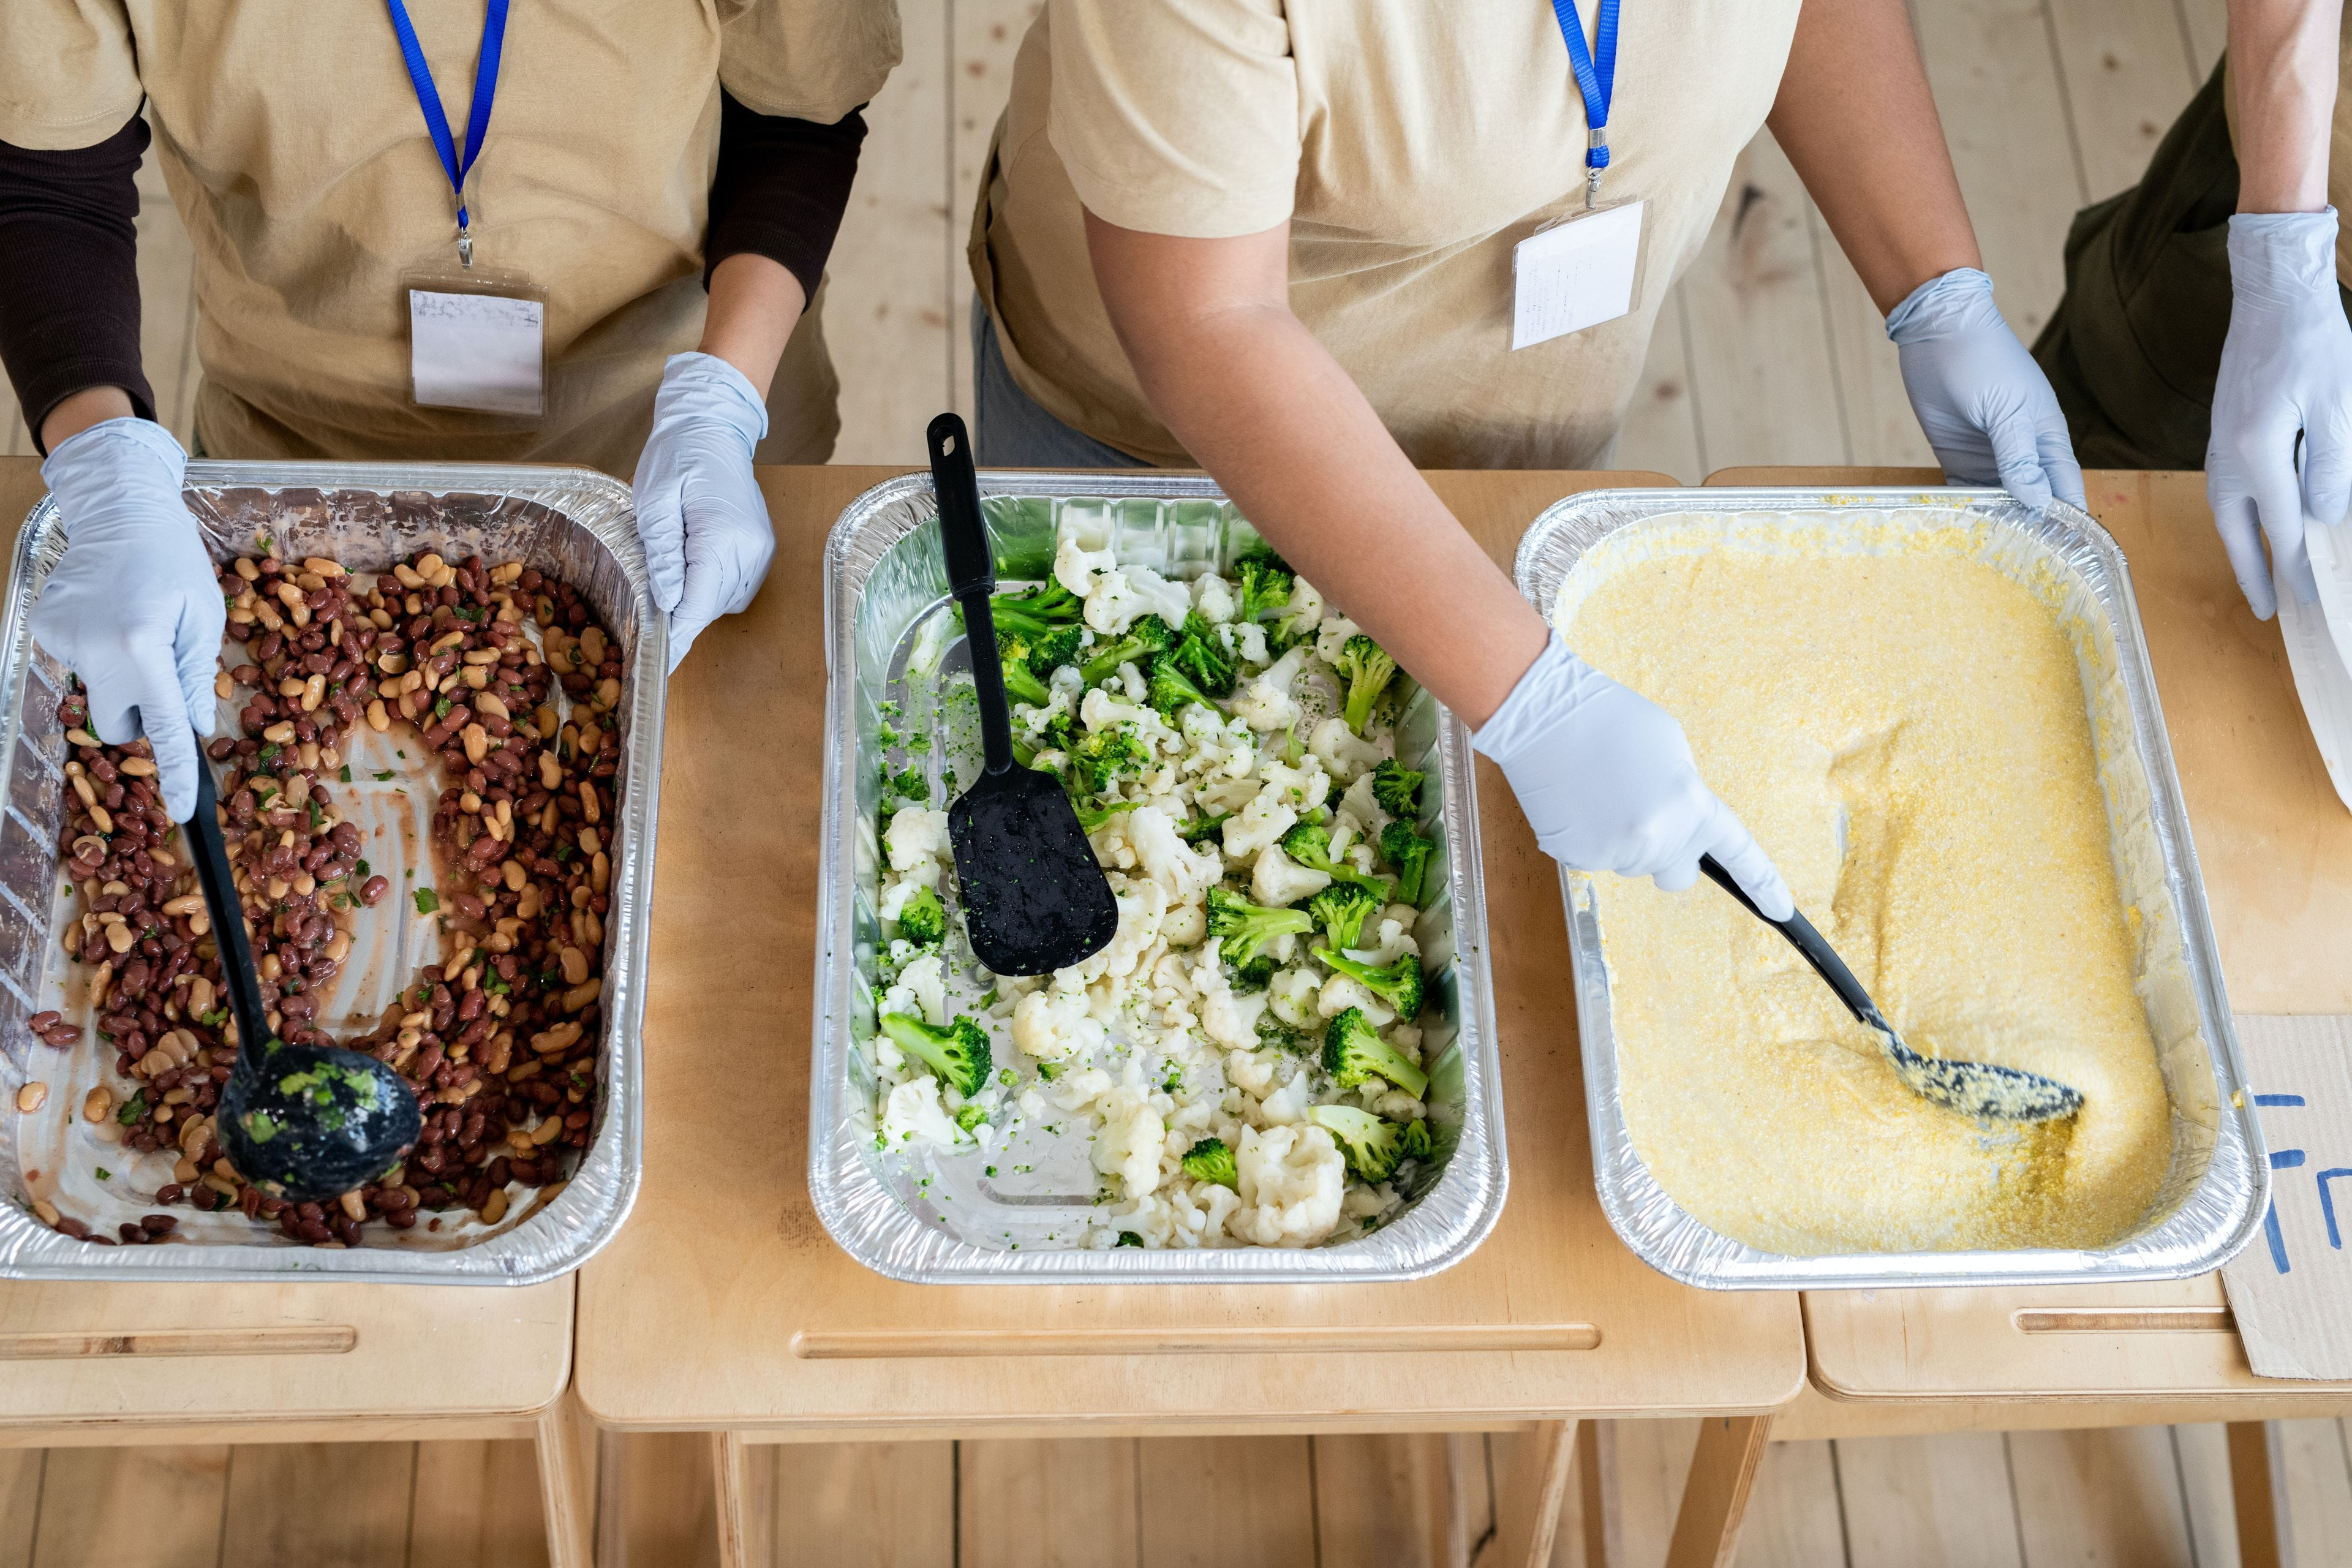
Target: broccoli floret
x=1022 y=685
x=1353 y=1053
x=1271 y=1031
x=1172 y=690
x=1211 y=1161
x=1397 y=789
x=909 y=782
x=1254 y=975
x=1309 y=843
x=1372 y=1147
x=1399 y=984
x=922 y=919
x=1034 y=613
x=1266 y=580
x=1101 y=755
x=1202 y=661
x=1246 y=926
x=1092 y=817
x=1193 y=832
x=1340 y=909
x=1147 y=636
x=1402 y=847
x=970 y=1117
x=959 y=1053
x=1369 y=669
x=1056 y=648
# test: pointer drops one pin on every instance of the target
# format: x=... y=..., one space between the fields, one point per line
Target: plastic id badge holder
x=477 y=340
x=1578 y=272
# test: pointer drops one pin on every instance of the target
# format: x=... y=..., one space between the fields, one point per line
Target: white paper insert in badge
x=1575 y=275
x=482 y=352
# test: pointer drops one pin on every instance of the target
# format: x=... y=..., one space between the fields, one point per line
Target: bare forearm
x=1260 y=404
x=73 y=414
x=2282 y=70
x=755 y=303
x=1856 y=117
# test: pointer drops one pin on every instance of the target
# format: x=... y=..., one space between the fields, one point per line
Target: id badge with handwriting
x=477 y=340
x=1576 y=273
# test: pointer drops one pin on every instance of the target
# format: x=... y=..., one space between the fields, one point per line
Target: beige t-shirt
x=1410 y=145
x=294 y=148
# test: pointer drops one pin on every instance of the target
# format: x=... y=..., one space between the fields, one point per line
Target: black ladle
x=1972 y=1089
x=1034 y=899
x=304 y=1123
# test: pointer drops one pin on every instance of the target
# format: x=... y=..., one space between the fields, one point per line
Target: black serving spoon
x=1034 y=899
x=305 y=1124
x=1972 y=1089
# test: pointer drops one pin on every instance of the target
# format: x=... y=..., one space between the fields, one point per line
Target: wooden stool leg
x=1722 y=1473
x=1596 y=1470
x=746 y=1479
x=566 y=1444
x=1528 y=1491
x=2257 y=1492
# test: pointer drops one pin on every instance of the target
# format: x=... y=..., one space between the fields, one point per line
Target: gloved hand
x=1985 y=406
x=706 y=531
x=133 y=607
x=2286 y=367
x=1607 y=781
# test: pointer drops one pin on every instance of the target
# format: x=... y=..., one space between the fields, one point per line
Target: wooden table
x=294 y=1363
x=2275 y=847
x=724 y=1305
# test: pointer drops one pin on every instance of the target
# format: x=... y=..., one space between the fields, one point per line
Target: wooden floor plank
x=890 y=300
x=862 y=1505
x=2318 y=1493
x=1792 y=1515
x=476 y=1505
x=1050 y=1504
x=1928 y=1502
x=134 y=1508
x=2125 y=76
x=1661 y=428
x=2205 y=29
x=20 y=1504
x=2093 y=1498
x=668 y=1514
x=1653 y=1462
x=984 y=37
x=2202 y=1455
x=319 y=1505
x=1381 y=1499
x=1226 y=1502
x=1880 y=428
x=1759 y=344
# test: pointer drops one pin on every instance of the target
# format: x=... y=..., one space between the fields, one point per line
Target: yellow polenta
x=1907 y=735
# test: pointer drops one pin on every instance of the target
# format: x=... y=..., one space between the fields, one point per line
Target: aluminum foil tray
x=577 y=524
x=934 y=1216
x=2218 y=1188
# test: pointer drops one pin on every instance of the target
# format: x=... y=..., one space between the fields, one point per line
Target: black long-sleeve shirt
x=69 y=241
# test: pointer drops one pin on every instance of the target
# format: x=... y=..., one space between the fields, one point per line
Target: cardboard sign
x=2290 y=1290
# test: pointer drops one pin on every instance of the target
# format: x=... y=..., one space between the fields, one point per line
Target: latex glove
x=133 y=607
x=2287 y=369
x=1984 y=404
x=704 y=527
x=1608 y=783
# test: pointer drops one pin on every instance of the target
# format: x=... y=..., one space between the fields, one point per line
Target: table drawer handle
x=853 y=1344
x=2122 y=1320
x=336 y=1339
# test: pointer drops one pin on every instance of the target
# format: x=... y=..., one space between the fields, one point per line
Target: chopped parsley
x=104 y=1175
x=441 y=706
x=317 y=815
x=135 y=1110
x=428 y=900
x=495 y=983
x=269 y=753
x=1128 y=1238
x=360 y=870
x=383 y=777
x=346 y=774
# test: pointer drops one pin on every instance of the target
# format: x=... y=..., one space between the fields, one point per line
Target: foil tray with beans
x=439 y=828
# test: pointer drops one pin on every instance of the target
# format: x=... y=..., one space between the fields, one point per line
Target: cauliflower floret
x=897 y=890
x=1390 y=945
x=1246 y=640
x=1292 y=1179
x=1128 y=1145
x=1342 y=991
x=1332 y=635
x=914 y=1115
x=1277 y=881
x=916 y=833
x=1406 y=1039
x=1292 y=994
x=1359 y=803
x=922 y=989
x=1185 y=925
x=1265 y=703
x=1077 y=1090
x=1230 y=1018
x=1076 y=567
x=1036 y=721
x=1303 y=609
x=1213 y=598
x=1256 y=825
x=1286 y=1106
x=1343 y=755
x=1172 y=602
x=1398 y=1106
x=1304 y=787
x=1252 y=1072
x=1055 y=1025
x=1098 y=710
x=1185 y=871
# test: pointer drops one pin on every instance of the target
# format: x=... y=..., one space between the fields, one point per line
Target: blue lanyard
x=478 y=121
x=1596 y=85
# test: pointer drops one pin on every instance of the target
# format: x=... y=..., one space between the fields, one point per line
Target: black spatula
x=1972 y=1089
x=301 y=1122
x=1035 y=900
